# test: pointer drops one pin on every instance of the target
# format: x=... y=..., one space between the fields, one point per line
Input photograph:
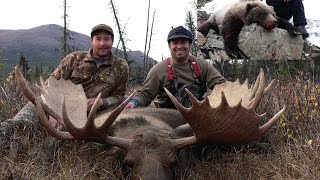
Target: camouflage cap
x=101 y=27
x=180 y=32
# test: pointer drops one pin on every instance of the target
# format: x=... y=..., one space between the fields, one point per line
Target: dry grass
x=69 y=161
x=11 y=101
x=293 y=151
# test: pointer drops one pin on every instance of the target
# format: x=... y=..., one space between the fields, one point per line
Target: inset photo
x=258 y=30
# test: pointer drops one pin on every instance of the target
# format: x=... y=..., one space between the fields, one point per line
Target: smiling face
x=179 y=49
x=101 y=44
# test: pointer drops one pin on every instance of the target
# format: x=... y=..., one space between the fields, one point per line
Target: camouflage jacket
x=157 y=79
x=108 y=76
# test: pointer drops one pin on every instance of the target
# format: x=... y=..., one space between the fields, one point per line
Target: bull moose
x=147 y=135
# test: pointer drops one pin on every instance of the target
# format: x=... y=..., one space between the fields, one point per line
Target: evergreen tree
x=190 y=24
x=25 y=67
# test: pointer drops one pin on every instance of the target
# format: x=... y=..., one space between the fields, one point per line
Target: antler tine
x=40 y=89
x=23 y=85
x=254 y=88
x=224 y=101
x=263 y=115
x=92 y=113
x=267 y=125
x=194 y=100
x=246 y=82
x=115 y=113
x=260 y=91
x=183 y=142
x=179 y=107
x=269 y=86
x=31 y=96
x=43 y=85
x=45 y=122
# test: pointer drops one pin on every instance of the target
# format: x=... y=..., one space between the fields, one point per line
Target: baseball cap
x=101 y=27
x=180 y=32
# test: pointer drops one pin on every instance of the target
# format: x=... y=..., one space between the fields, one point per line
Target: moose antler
x=56 y=96
x=227 y=115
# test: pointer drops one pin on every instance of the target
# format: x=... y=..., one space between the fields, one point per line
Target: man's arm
x=211 y=74
x=65 y=68
x=118 y=93
x=149 y=90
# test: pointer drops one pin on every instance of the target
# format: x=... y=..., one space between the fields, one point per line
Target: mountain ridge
x=41 y=45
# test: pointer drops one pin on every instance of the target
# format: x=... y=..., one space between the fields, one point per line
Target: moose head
x=146 y=135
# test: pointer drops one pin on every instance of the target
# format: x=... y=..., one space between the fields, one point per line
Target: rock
x=259 y=44
x=311 y=51
x=201 y=40
x=26 y=117
x=211 y=47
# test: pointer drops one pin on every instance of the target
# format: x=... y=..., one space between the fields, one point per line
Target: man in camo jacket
x=98 y=70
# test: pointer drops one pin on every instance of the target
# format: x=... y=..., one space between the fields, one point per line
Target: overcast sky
x=84 y=14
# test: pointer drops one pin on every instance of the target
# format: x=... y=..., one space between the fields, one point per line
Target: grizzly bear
x=244 y=12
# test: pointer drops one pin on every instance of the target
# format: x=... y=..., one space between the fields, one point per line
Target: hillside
x=42 y=45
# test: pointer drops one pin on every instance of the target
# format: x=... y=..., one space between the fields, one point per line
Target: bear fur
x=233 y=17
x=216 y=19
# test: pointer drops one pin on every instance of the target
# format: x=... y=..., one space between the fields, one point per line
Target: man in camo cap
x=98 y=70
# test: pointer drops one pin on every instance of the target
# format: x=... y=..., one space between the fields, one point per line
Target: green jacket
x=157 y=79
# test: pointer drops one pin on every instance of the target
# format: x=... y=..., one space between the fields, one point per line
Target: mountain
x=42 y=46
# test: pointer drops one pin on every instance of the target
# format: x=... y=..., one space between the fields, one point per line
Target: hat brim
x=100 y=30
x=179 y=36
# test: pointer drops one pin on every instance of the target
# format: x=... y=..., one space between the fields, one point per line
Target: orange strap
x=169 y=71
x=195 y=68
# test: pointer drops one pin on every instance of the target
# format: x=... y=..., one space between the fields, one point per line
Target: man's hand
x=131 y=105
x=91 y=101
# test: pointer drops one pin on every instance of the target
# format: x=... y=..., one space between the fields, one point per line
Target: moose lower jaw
x=226 y=116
